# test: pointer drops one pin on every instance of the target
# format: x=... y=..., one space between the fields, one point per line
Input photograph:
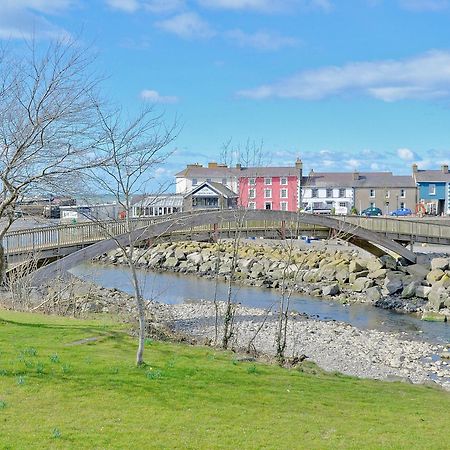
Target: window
x=388 y=194
x=329 y=193
x=208 y=180
x=283 y=193
x=372 y=193
x=252 y=205
x=342 y=204
x=224 y=181
x=402 y=205
x=284 y=206
x=283 y=181
x=194 y=181
x=267 y=193
x=267 y=181
x=372 y=205
x=267 y=205
x=402 y=193
x=251 y=181
x=341 y=192
x=314 y=192
x=432 y=189
x=251 y=193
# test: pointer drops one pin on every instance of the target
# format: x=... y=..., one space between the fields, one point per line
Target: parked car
x=318 y=208
x=372 y=211
x=401 y=212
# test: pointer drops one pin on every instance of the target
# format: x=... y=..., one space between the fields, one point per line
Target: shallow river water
x=174 y=288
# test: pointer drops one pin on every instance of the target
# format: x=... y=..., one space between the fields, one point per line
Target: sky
x=343 y=84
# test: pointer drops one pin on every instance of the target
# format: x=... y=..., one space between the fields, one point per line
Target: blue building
x=433 y=189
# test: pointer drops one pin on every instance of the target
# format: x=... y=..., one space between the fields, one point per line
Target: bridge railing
x=400 y=226
x=47 y=238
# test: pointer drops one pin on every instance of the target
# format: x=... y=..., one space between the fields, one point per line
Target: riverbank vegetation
x=67 y=383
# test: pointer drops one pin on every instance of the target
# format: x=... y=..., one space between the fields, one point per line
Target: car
x=401 y=212
x=372 y=211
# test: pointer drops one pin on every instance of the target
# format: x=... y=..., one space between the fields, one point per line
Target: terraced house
x=433 y=190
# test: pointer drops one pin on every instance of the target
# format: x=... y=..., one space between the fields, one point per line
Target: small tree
x=134 y=149
x=47 y=126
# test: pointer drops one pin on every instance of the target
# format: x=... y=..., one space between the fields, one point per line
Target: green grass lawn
x=57 y=394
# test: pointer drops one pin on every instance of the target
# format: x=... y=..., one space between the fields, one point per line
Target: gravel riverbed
x=334 y=346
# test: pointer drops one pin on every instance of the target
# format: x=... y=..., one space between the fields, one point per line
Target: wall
x=363 y=199
x=276 y=187
x=424 y=191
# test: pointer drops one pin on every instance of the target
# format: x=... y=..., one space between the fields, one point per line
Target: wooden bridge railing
x=47 y=238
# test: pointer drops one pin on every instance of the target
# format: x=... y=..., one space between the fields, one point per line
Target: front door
x=268 y=205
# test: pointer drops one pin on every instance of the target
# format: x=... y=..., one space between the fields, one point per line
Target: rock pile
x=341 y=274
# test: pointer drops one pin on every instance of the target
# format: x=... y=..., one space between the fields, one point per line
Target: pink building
x=269 y=188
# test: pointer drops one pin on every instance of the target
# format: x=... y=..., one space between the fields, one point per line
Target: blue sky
x=343 y=84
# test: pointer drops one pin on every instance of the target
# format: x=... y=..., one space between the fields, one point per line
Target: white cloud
x=426 y=76
x=188 y=26
x=153 y=6
x=425 y=5
x=155 y=97
x=261 y=40
x=267 y=6
x=406 y=154
x=23 y=19
x=129 y=6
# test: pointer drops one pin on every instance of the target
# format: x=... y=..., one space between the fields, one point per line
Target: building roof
x=221 y=171
x=156 y=201
x=358 y=180
x=219 y=188
x=434 y=176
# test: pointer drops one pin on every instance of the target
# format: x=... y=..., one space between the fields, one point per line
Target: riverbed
x=173 y=288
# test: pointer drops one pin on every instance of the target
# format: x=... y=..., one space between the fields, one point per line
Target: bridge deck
x=54 y=239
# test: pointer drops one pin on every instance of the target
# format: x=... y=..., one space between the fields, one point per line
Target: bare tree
x=134 y=148
x=47 y=129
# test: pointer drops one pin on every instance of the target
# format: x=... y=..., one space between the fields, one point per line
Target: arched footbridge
x=92 y=242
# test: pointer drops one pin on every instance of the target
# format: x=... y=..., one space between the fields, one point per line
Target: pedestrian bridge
x=74 y=244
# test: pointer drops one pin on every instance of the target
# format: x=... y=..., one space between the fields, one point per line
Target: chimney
x=212 y=165
x=298 y=164
x=444 y=168
x=355 y=176
x=415 y=168
x=238 y=166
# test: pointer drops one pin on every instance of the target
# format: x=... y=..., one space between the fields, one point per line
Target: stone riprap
x=341 y=274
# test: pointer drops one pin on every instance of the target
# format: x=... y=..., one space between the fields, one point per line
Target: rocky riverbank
x=340 y=274
x=334 y=346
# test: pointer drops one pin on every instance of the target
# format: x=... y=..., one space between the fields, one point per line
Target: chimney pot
x=444 y=168
x=355 y=176
x=415 y=168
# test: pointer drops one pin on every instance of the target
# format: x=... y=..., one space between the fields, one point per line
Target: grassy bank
x=60 y=390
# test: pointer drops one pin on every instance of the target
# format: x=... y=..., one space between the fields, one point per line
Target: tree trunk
x=3 y=263
x=141 y=316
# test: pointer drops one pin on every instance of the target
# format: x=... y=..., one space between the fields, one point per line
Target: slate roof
x=365 y=180
x=217 y=187
x=162 y=200
x=194 y=171
x=433 y=176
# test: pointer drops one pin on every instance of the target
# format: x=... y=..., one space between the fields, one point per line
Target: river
x=174 y=288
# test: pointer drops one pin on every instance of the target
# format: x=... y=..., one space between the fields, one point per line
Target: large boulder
x=436 y=298
x=356 y=266
x=410 y=290
x=171 y=263
x=195 y=258
x=373 y=294
x=439 y=263
x=342 y=276
x=422 y=291
x=361 y=284
x=332 y=289
x=355 y=275
x=418 y=270
x=374 y=264
x=392 y=285
x=378 y=274
x=435 y=275
x=389 y=262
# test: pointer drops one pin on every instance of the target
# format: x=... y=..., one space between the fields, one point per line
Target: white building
x=156 y=205
x=331 y=189
x=195 y=174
